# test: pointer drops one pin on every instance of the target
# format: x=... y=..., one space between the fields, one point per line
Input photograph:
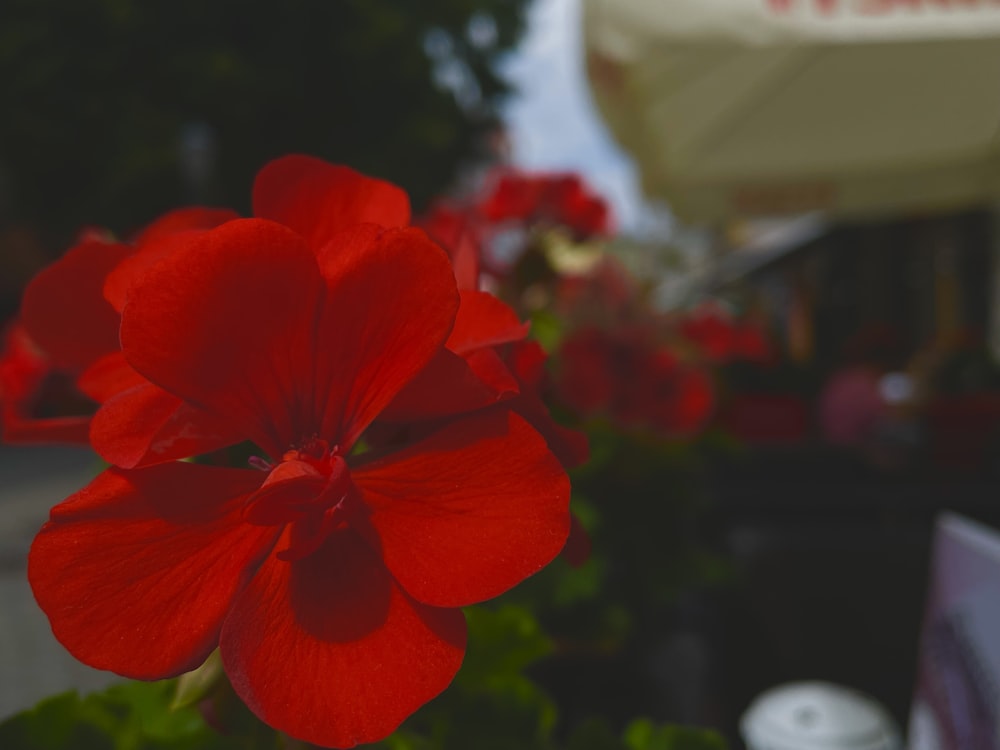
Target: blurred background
x=822 y=174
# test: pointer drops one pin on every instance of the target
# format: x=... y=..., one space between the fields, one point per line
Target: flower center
x=311 y=489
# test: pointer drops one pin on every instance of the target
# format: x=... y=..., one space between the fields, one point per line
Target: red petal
x=185 y=219
x=492 y=371
x=570 y=446
x=318 y=199
x=289 y=483
x=465 y=260
x=390 y=305
x=23 y=366
x=25 y=373
x=483 y=321
x=64 y=309
x=453 y=228
x=469 y=512
x=227 y=322
x=146 y=425
x=240 y=322
x=157 y=242
x=452 y=385
x=17 y=429
x=137 y=571
x=527 y=360
x=108 y=376
x=513 y=196
x=331 y=651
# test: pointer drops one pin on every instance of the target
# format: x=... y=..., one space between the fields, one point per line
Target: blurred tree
x=115 y=110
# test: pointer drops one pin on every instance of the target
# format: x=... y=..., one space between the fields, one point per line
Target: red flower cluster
x=331 y=573
x=561 y=199
x=604 y=295
x=494 y=226
x=627 y=375
x=623 y=360
x=721 y=338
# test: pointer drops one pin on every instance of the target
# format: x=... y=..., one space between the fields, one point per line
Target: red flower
x=141 y=423
x=561 y=199
x=628 y=376
x=588 y=377
x=457 y=232
x=724 y=339
x=468 y=373
x=332 y=582
x=24 y=373
x=605 y=294
x=70 y=314
x=665 y=393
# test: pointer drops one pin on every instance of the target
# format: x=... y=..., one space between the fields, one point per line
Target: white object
x=741 y=108
x=956 y=703
x=817 y=716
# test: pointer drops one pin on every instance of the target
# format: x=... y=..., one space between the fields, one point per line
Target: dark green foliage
x=492 y=705
x=130 y=716
x=96 y=94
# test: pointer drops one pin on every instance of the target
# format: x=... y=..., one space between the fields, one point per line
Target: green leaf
x=53 y=724
x=502 y=643
x=128 y=716
x=595 y=734
x=546 y=329
x=643 y=734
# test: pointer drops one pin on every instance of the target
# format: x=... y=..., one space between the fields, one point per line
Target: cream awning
x=736 y=108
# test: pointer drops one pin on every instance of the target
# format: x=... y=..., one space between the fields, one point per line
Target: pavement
x=33 y=665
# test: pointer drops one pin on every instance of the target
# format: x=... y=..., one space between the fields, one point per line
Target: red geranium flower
x=141 y=423
x=69 y=325
x=331 y=581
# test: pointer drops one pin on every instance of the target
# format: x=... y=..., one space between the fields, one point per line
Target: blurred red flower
x=723 y=338
x=331 y=580
x=68 y=330
x=455 y=229
x=26 y=380
x=626 y=375
x=667 y=394
x=560 y=199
